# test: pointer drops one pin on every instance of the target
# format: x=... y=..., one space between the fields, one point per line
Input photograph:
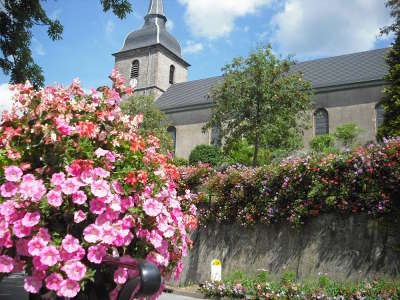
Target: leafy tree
x=347 y=134
x=17 y=17
x=154 y=120
x=391 y=101
x=261 y=100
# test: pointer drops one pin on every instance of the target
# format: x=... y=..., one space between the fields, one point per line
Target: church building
x=347 y=88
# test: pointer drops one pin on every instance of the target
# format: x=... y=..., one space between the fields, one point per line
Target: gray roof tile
x=326 y=72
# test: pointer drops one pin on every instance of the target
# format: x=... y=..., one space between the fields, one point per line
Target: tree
x=17 y=17
x=391 y=100
x=154 y=120
x=347 y=134
x=261 y=100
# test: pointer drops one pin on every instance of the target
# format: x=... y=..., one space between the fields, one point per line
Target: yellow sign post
x=216 y=270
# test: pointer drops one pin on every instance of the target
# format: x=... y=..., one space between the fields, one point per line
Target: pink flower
x=79 y=216
x=13 y=173
x=70 y=244
x=6 y=264
x=44 y=234
x=20 y=230
x=116 y=185
x=96 y=254
x=152 y=207
x=22 y=247
x=109 y=234
x=113 y=295
x=110 y=156
x=155 y=239
x=49 y=256
x=31 y=219
x=53 y=281
x=92 y=233
x=100 y=188
x=36 y=246
x=100 y=172
x=32 y=284
x=120 y=276
x=100 y=152
x=70 y=186
x=37 y=264
x=79 y=198
x=69 y=289
x=57 y=179
x=74 y=269
x=97 y=206
x=8 y=189
x=54 y=198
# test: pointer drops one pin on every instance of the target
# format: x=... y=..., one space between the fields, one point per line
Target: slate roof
x=326 y=72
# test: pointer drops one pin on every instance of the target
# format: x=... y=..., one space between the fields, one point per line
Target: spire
x=156 y=10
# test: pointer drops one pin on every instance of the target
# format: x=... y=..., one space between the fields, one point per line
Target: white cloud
x=170 y=25
x=110 y=26
x=215 y=19
x=5 y=97
x=38 y=47
x=320 y=28
x=192 y=47
x=246 y=28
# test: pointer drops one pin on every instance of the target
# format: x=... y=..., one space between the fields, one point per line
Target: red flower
x=131 y=178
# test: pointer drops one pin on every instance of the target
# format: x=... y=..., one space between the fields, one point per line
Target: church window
x=171 y=74
x=135 y=69
x=172 y=131
x=215 y=137
x=380 y=112
x=321 y=119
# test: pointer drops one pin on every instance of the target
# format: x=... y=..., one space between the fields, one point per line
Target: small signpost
x=216 y=270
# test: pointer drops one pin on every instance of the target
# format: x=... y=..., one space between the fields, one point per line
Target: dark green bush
x=180 y=162
x=205 y=154
x=323 y=143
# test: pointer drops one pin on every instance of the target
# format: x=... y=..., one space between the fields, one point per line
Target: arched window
x=172 y=131
x=380 y=114
x=215 y=137
x=171 y=74
x=135 y=69
x=321 y=119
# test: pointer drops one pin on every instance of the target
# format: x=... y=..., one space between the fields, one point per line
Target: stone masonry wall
x=351 y=248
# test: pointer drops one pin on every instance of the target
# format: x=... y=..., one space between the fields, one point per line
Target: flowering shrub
x=323 y=288
x=79 y=183
x=365 y=180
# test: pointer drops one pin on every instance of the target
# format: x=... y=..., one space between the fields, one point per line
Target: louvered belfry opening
x=321 y=122
x=171 y=74
x=135 y=69
x=380 y=114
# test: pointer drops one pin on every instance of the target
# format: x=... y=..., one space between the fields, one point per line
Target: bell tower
x=151 y=58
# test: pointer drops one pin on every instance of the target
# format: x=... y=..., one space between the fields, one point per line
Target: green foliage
x=323 y=143
x=17 y=19
x=288 y=277
x=154 y=120
x=205 y=154
x=391 y=100
x=180 y=162
x=347 y=134
x=259 y=99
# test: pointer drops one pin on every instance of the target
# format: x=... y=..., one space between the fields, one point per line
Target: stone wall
x=351 y=248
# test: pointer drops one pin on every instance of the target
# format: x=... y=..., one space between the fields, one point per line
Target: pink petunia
x=117 y=187
x=97 y=206
x=54 y=198
x=109 y=234
x=96 y=254
x=53 y=281
x=57 y=179
x=74 y=269
x=155 y=239
x=100 y=188
x=50 y=256
x=6 y=264
x=32 y=284
x=13 y=173
x=70 y=244
x=70 y=186
x=36 y=245
x=20 y=230
x=92 y=233
x=69 y=289
x=8 y=189
x=79 y=198
x=100 y=172
x=152 y=207
x=31 y=219
x=43 y=233
x=120 y=276
x=100 y=152
x=79 y=216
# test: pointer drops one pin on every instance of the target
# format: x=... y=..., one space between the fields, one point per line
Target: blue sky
x=211 y=33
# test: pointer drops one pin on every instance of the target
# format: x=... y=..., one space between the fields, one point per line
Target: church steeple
x=155 y=12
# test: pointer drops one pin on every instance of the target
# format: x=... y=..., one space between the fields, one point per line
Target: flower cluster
x=366 y=179
x=323 y=288
x=79 y=183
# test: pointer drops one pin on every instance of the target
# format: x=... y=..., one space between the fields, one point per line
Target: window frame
x=325 y=114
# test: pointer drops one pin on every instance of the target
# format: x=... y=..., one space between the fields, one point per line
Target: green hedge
x=364 y=180
x=205 y=154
